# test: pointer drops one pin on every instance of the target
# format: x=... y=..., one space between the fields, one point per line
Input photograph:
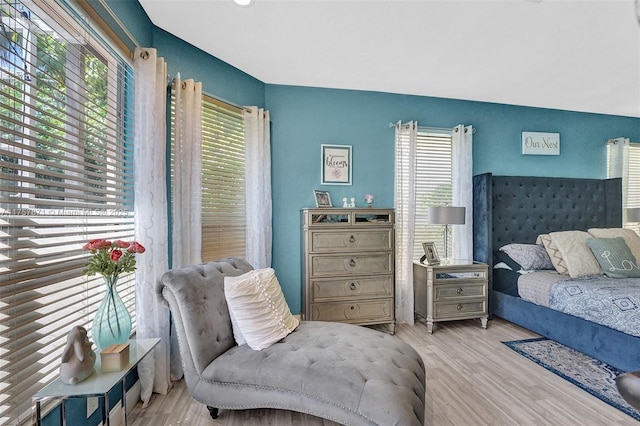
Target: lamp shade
x=633 y=214
x=446 y=215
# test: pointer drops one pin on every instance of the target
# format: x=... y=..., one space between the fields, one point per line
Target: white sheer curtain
x=151 y=227
x=405 y=192
x=462 y=194
x=258 y=186
x=618 y=167
x=187 y=163
x=186 y=234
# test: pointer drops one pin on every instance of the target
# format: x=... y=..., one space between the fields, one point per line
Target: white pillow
x=576 y=254
x=258 y=309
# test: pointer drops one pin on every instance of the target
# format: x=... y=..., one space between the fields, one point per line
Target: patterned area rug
x=589 y=374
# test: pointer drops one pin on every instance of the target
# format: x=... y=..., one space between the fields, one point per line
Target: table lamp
x=447 y=215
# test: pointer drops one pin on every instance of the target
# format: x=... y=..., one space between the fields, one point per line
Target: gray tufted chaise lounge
x=341 y=372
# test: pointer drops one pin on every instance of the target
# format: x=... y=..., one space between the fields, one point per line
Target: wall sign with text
x=538 y=143
x=336 y=165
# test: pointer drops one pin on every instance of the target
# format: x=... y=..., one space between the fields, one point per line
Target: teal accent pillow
x=615 y=257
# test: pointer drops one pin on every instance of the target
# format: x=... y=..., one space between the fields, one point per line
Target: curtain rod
x=432 y=129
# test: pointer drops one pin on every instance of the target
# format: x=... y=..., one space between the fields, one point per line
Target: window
x=632 y=157
x=66 y=177
x=223 y=180
x=433 y=184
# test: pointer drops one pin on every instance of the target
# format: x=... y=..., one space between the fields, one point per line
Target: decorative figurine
x=368 y=198
x=346 y=205
x=78 y=358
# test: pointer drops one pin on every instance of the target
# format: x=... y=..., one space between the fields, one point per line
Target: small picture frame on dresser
x=430 y=253
x=323 y=198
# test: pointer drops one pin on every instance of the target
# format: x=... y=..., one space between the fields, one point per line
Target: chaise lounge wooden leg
x=213 y=412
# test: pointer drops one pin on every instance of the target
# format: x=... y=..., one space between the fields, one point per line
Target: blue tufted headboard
x=509 y=209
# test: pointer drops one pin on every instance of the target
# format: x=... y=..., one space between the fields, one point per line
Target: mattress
x=612 y=302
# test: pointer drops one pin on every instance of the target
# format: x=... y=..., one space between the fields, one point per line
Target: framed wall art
x=336 y=165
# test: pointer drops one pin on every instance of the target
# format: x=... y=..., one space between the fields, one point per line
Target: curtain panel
x=151 y=221
x=406 y=135
x=462 y=192
x=258 y=187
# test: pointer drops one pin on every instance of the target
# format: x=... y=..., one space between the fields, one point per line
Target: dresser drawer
x=369 y=287
x=459 y=291
x=356 y=240
x=461 y=309
x=353 y=311
x=351 y=264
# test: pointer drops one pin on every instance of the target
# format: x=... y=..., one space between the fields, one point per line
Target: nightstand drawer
x=445 y=276
x=459 y=292
x=462 y=309
x=379 y=286
x=355 y=311
x=351 y=264
x=356 y=240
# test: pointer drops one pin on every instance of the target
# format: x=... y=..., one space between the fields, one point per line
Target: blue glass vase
x=112 y=323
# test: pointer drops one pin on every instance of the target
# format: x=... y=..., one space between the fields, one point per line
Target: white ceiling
x=580 y=55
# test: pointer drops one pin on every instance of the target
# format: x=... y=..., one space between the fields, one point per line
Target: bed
x=516 y=209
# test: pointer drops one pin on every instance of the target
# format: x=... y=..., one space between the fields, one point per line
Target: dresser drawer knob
x=352 y=286
x=460 y=290
x=352 y=262
x=460 y=307
x=352 y=307
x=352 y=239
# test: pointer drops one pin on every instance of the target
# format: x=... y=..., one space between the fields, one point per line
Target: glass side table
x=97 y=385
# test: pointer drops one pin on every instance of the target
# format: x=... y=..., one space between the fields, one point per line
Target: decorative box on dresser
x=452 y=291
x=348 y=265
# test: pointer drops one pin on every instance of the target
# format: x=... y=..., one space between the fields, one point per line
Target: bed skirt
x=598 y=341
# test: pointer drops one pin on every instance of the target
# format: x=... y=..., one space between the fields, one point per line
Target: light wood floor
x=472 y=379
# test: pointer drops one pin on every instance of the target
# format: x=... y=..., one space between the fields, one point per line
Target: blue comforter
x=614 y=302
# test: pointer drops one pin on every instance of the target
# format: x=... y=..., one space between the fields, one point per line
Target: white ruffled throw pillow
x=259 y=312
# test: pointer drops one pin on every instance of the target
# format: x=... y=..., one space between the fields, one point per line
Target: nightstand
x=453 y=291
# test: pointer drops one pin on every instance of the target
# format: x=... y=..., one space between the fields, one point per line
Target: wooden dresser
x=348 y=265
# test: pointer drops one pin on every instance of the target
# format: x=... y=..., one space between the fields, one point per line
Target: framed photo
x=323 y=199
x=430 y=253
x=336 y=165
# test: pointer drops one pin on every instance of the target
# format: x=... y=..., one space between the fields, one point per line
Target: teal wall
x=303 y=118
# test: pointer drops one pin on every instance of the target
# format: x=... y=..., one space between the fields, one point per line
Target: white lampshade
x=447 y=215
x=633 y=214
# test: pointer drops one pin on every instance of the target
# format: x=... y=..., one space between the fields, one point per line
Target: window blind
x=433 y=184
x=633 y=188
x=66 y=177
x=223 y=181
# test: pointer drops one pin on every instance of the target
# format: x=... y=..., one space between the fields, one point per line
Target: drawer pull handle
x=352 y=286
x=352 y=262
x=352 y=308
x=460 y=290
x=460 y=307
x=352 y=239
x=477 y=274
